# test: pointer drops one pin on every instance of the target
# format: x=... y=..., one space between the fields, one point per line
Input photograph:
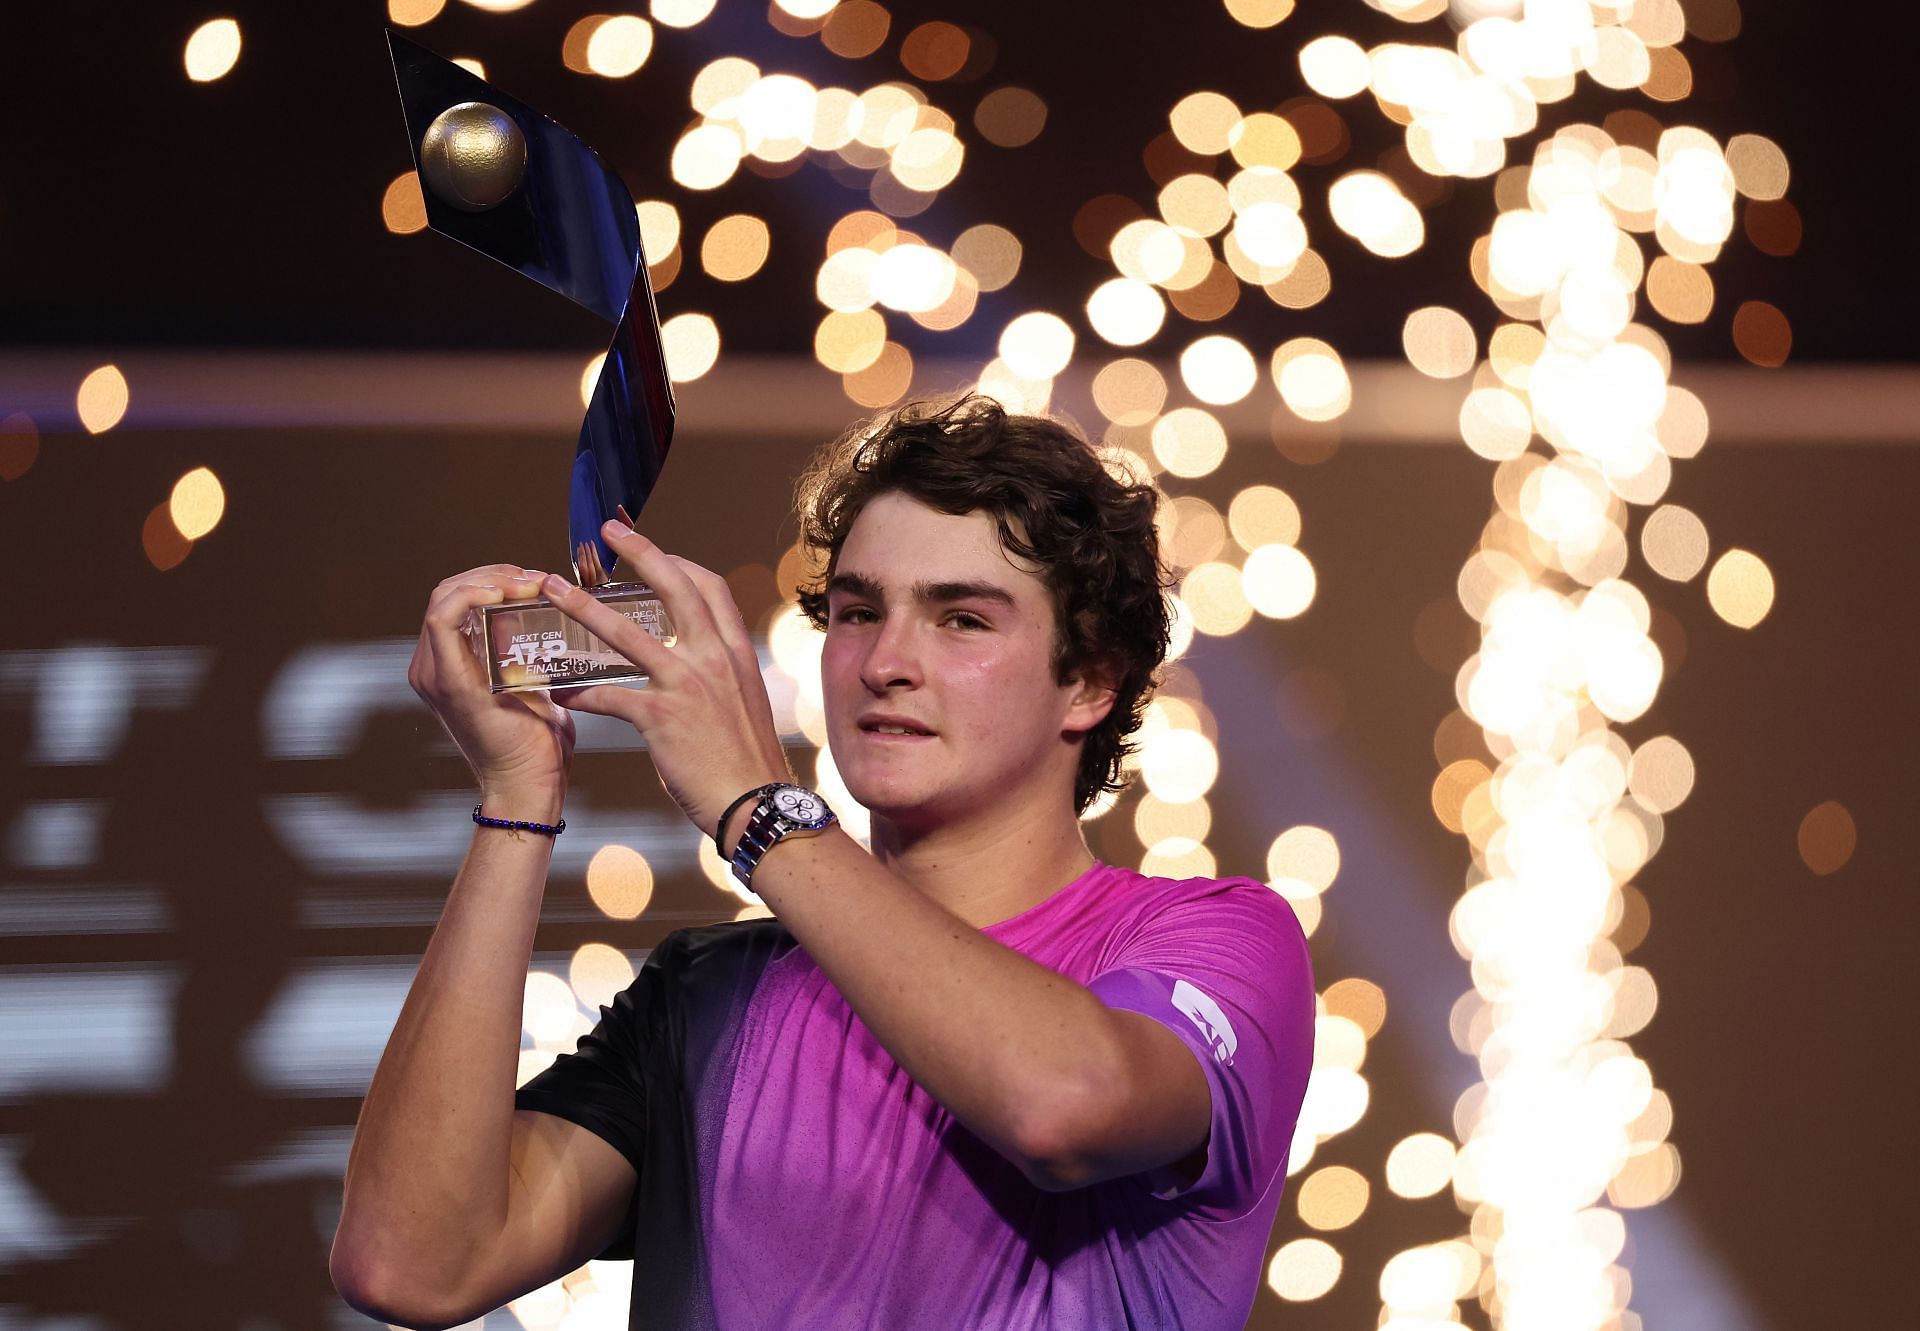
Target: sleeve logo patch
x=1203 y=1012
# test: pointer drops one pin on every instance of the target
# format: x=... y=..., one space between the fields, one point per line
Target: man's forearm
x=427 y=1176
x=1014 y=1050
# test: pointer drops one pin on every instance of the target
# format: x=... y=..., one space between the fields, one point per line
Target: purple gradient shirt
x=837 y=1195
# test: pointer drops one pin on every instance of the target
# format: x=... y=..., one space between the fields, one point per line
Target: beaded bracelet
x=511 y=825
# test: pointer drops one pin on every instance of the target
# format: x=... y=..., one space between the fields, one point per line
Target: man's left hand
x=704 y=711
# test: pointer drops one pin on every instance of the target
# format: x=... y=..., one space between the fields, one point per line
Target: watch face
x=802 y=806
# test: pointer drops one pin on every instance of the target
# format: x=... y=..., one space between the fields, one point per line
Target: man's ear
x=1092 y=698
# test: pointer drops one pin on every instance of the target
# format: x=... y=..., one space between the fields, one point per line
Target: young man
x=971 y=1078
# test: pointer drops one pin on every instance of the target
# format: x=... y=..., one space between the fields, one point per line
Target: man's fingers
x=610 y=626
x=451 y=605
x=725 y=611
x=613 y=700
x=448 y=648
x=451 y=651
x=453 y=599
x=485 y=573
x=660 y=571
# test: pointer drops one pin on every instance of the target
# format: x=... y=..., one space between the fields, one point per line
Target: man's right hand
x=519 y=745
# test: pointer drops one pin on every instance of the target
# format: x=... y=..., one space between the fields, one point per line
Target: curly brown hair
x=1054 y=502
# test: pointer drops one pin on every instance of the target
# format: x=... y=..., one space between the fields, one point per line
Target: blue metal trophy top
x=550 y=208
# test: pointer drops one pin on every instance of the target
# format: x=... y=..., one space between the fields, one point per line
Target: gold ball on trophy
x=473 y=156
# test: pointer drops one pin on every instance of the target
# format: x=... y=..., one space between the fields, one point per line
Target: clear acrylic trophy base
x=533 y=645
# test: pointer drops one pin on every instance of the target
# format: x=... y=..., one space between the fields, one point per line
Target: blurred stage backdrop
x=1531 y=390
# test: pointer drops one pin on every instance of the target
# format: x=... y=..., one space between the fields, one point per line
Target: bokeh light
x=659 y=229
x=1279 y=581
x=1370 y=207
x=1178 y=765
x=1762 y=334
x=1759 y=166
x=1129 y=392
x=413 y=13
x=1204 y=122
x=1218 y=369
x=1740 y=588
x=706 y=156
x=1360 y=1001
x=680 y=13
x=1305 y=285
x=1037 y=345
x=1333 y=1197
x=618 y=45
x=1439 y=342
x=1189 y=441
x=1259 y=13
x=1303 y=862
x=1263 y=515
x=1335 y=66
x=212 y=50
x=102 y=399
x=620 y=881
x=1661 y=773
x=197 y=503
x=1010 y=117
x=161 y=541
x=1681 y=291
x=1827 y=837
x=1156 y=820
x=1215 y=599
x=991 y=253
x=1674 y=542
x=935 y=51
x=1126 y=311
x=735 y=247
x=692 y=345
x=885 y=381
x=1264 y=140
x=1312 y=379
x=19 y=445
x=403 y=209
x=1303 y=1270
x=847 y=342
x=597 y=973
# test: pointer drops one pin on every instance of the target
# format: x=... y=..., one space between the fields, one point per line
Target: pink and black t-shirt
x=792 y=1177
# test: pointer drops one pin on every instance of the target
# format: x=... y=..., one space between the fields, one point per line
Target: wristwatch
x=782 y=811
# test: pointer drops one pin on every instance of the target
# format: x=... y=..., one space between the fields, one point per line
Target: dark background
x=140 y=211
x=142 y=208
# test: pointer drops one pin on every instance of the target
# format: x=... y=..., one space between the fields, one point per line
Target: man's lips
x=891 y=727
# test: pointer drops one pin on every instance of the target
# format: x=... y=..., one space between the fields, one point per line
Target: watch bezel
x=770 y=803
x=768 y=825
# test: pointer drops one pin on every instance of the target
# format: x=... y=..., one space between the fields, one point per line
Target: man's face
x=932 y=630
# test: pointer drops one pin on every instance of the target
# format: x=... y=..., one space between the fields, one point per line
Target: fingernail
x=612 y=528
x=555 y=585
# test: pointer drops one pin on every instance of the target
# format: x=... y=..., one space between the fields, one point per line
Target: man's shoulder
x=1235 y=888
x=1231 y=902
x=755 y=941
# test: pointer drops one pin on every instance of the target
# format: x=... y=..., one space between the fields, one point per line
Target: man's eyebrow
x=941 y=592
x=854 y=584
x=858 y=584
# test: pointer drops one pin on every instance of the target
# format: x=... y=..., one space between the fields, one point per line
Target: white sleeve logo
x=1206 y=1014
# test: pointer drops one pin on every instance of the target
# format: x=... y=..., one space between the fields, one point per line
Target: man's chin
x=902 y=805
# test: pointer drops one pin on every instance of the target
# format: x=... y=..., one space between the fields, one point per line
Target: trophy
x=503 y=179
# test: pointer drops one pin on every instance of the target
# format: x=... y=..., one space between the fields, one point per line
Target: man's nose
x=893 y=659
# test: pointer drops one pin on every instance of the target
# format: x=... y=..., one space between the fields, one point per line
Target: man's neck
x=988 y=870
